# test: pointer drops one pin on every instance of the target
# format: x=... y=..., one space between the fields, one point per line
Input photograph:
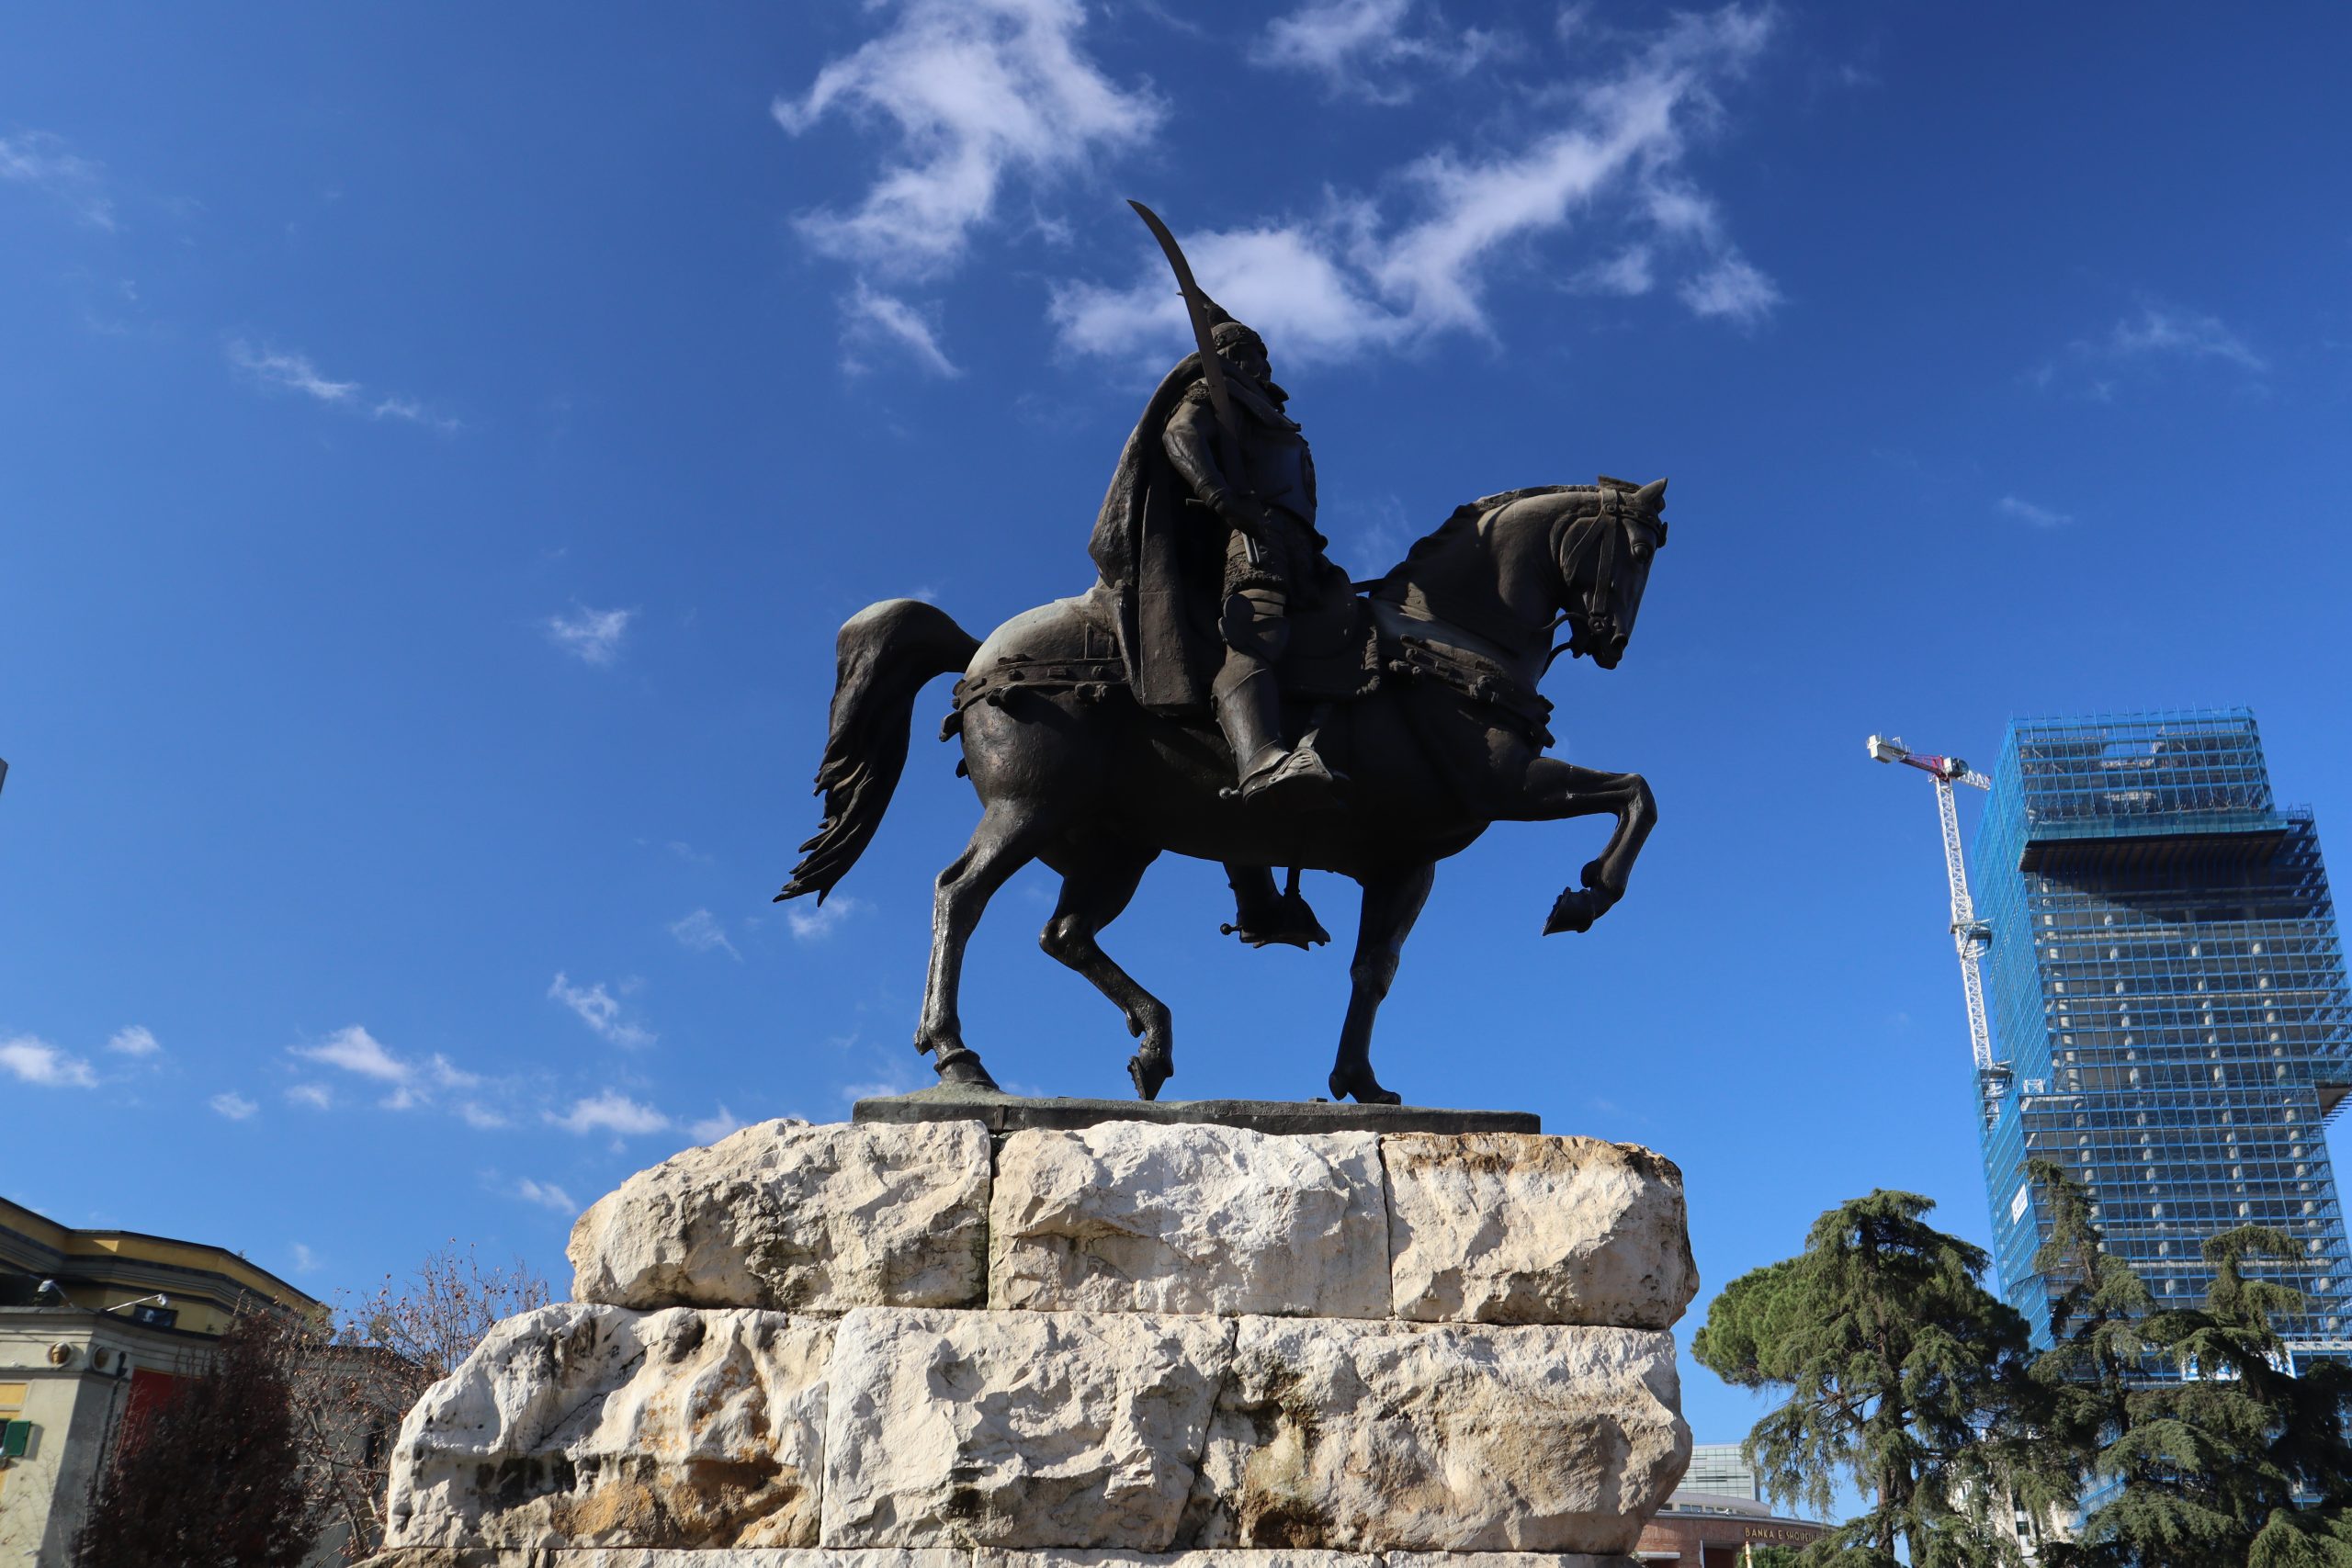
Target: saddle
x=1342 y=649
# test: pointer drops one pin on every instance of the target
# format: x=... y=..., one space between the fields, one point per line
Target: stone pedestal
x=920 y=1343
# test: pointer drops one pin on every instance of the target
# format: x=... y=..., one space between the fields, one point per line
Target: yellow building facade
x=92 y=1324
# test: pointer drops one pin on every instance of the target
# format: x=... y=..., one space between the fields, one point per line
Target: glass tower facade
x=2167 y=989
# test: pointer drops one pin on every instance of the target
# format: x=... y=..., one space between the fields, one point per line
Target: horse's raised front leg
x=1392 y=902
x=1556 y=791
x=1008 y=838
x=1093 y=893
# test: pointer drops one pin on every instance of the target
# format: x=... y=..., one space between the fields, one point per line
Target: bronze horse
x=1072 y=771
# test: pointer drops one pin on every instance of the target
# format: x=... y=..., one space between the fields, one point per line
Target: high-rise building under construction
x=2167 y=989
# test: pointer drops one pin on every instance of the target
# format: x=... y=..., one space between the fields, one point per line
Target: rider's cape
x=1163 y=563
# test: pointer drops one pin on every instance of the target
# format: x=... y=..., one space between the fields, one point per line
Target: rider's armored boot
x=1249 y=709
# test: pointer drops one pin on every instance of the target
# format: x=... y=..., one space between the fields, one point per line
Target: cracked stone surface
x=1126 y=1216
x=1523 y=1228
x=796 y=1218
x=589 y=1425
x=1454 y=1437
x=1017 y=1428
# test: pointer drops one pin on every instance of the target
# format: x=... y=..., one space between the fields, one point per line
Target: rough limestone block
x=583 y=1424
x=1126 y=1216
x=1286 y=1557
x=796 y=1218
x=641 y=1556
x=1016 y=1429
x=1384 y=1436
x=1521 y=1228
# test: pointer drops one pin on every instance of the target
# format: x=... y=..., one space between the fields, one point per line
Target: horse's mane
x=1446 y=534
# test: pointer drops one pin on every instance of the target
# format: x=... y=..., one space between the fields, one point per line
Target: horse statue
x=1446 y=736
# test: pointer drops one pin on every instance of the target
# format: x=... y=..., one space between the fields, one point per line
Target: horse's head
x=1604 y=555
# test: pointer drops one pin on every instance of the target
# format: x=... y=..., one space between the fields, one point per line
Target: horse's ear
x=1651 y=497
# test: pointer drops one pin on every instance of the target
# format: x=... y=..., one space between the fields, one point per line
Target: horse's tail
x=886 y=651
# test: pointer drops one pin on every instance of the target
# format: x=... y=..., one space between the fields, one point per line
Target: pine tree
x=1903 y=1373
x=211 y=1478
x=2211 y=1465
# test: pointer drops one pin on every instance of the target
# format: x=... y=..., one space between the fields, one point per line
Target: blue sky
x=437 y=447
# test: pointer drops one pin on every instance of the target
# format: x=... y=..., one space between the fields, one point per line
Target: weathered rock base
x=820 y=1557
x=1122 y=1346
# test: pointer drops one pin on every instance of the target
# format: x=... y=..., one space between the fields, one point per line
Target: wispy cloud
x=2162 y=329
x=41 y=159
x=35 y=1061
x=873 y=317
x=1358 y=279
x=360 y=1054
x=2027 y=511
x=815 y=922
x=305 y=1260
x=2139 y=345
x=478 y=1115
x=136 y=1040
x=294 y=372
x=1733 y=289
x=547 y=1194
x=593 y=637
x=716 y=1126
x=611 y=1111
x=233 y=1105
x=1370 y=49
x=703 y=931
x=978 y=94
x=600 y=1010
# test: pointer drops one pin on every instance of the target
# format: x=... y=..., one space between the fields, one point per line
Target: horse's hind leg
x=1392 y=902
x=1096 y=887
x=1009 y=837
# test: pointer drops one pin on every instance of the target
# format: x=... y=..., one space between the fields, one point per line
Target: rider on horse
x=1208 y=545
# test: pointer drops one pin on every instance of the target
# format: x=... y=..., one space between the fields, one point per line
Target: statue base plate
x=1002 y=1113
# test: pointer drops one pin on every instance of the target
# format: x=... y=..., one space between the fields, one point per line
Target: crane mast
x=1970 y=935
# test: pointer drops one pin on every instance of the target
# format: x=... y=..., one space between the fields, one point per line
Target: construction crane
x=1970 y=935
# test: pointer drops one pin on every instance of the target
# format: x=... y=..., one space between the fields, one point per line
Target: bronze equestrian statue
x=1222 y=692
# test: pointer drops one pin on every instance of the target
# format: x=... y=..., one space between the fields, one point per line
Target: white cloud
x=36 y=1061
x=356 y=1051
x=1627 y=273
x=600 y=1010
x=2026 y=510
x=305 y=1260
x=979 y=93
x=479 y=1115
x=611 y=1111
x=2139 y=345
x=594 y=636
x=2164 y=328
x=40 y=159
x=233 y=1105
x=1364 y=48
x=291 y=370
x=712 y=1128
x=875 y=317
x=546 y=1193
x=135 y=1039
x=294 y=371
x=1356 y=279
x=1733 y=289
x=703 y=931
x=815 y=922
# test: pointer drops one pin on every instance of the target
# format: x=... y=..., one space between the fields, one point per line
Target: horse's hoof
x=1363 y=1088
x=964 y=1067
x=1574 y=910
x=1148 y=1070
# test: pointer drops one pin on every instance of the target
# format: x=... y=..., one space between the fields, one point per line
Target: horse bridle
x=1611 y=520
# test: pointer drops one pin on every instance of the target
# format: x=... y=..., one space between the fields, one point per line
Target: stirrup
x=1298 y=776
